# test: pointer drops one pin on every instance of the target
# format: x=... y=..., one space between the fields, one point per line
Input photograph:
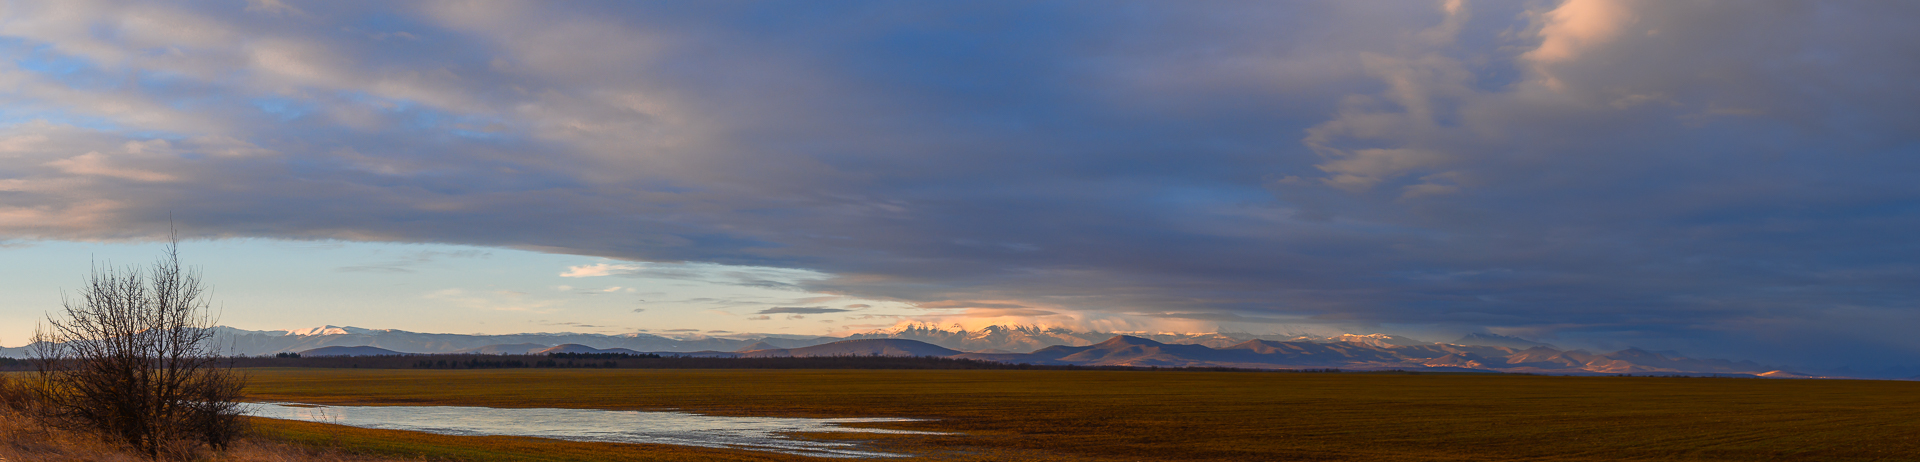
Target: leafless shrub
x=131 y=358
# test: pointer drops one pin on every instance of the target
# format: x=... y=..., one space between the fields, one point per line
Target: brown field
x=1163 y=415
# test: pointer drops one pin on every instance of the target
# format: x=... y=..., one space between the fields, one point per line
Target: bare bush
x=131 y=357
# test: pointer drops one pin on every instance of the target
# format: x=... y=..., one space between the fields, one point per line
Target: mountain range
x=1023 y=344
x=1360 y=354
x=996 y=339
x=1356 y=353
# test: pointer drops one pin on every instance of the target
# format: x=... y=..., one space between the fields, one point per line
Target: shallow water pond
x=656 y=427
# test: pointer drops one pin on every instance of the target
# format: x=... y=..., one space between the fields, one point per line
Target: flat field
x=1162 y=415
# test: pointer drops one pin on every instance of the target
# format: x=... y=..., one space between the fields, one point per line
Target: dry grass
x=1101 y=415
x=25 y=438
x=1169 y=416
x=22 y=439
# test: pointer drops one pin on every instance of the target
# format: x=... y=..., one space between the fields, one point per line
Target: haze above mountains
x=1030 y=345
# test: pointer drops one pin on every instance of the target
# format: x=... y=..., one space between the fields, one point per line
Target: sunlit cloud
x=596 y=270
x=968 y=304
x=802 y=310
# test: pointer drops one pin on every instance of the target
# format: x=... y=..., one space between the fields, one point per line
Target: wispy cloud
x=802 y=310
x=596 y=270
x=493 y=300
x=373 y=269
x=407 y=263
x=1008 y=312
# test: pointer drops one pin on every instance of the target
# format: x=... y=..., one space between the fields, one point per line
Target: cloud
x=373 y=269
x=802 y=310
x=1648 y=171
x=410 y=261
x=492 y=300
x=639 y=310
x=1576 y=27
x=1223 y=317
x=759 y=318
x=275 y=7
x=596 y=270
x=93 y=163
x=968 y=304
x=744 y=276
x=1008 y=312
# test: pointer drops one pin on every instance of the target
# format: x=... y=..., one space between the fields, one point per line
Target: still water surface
x=679 y=428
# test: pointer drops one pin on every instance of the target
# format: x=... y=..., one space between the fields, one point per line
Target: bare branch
x=130 y=355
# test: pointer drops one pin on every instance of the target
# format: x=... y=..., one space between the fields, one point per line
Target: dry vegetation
x=129 y=359
x=1106 y=415
x=1140 y=415
x=26 y=437
x=126 y=372
x=24 y=440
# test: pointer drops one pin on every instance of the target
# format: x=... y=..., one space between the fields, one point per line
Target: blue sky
x=1723 y=179
x=266 y=284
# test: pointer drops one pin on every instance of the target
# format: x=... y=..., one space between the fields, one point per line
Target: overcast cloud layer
x=1733 y=179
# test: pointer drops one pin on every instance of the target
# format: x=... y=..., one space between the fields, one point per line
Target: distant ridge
x=757 y=346
x=1126 y=350
x=504 y=349
x=328 y=330
x=574 y=348
x=1002 y=338
x=1036 y=345
x=350 y=351
x=860 y=347
x=240 y=342
x=1373 y=354
x=1130 y=351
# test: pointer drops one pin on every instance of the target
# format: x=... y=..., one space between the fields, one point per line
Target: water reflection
x=679 y=428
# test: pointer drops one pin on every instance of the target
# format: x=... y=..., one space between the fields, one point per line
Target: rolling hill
x=1370 y=354
x=349 y=351
x=859 y=347
x=575 y=348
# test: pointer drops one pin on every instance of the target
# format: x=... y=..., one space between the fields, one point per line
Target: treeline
x=466 y=361
x=600 y=355
x=497 y=364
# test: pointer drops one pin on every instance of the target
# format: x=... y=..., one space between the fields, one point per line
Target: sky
x=1731 y=179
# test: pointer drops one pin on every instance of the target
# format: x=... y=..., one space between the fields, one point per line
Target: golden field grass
x=1166 y=416
x=416 y=445
x=25 y=440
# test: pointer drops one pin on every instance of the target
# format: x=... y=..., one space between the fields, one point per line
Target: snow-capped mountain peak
x=328 y=330
x=1378 y=340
